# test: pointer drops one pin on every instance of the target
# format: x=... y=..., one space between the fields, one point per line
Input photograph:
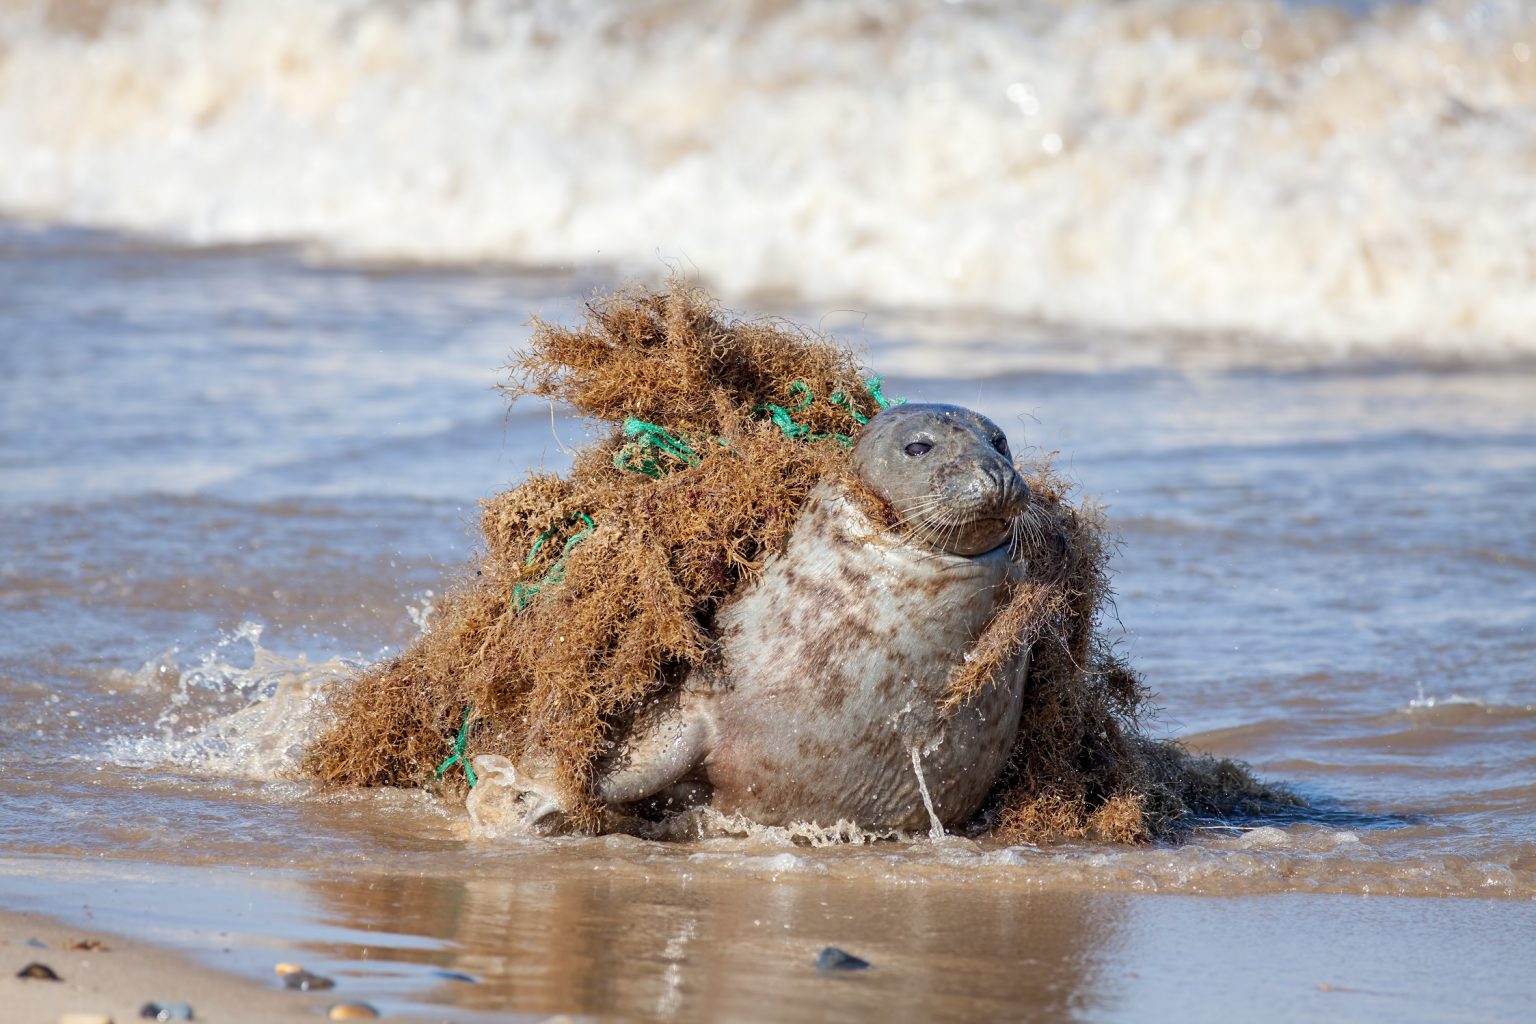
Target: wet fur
x=835 y=667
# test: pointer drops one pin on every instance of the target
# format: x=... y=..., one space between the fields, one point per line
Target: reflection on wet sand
x=588 y=927
x=686 y=946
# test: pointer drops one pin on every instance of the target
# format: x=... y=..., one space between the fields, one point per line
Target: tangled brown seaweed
x=597 y=590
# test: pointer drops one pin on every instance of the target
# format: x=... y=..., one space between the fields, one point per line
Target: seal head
x=947 y=472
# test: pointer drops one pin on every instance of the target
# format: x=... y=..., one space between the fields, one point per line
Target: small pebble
x=456 y=976
x=86 y=945
x=166 y=1011
x=85 y=1018
x=353 y=1011
x=303 y=981
x=38 y=972
x=834 y=959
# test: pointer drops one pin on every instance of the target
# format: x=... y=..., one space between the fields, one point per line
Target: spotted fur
x=838 y=662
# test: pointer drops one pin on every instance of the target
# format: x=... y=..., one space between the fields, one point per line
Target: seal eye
x=1001 y=444
x=917 y=449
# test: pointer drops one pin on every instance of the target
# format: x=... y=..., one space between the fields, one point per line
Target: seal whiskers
x=1029 y=530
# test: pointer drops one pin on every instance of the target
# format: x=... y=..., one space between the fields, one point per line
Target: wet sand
x=577 y=935
x=118 y=980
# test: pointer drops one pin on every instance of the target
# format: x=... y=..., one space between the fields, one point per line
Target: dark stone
x=834 y=959
x=167 y=1011
x=456 y=976
x=38 y=972
x=303 y=981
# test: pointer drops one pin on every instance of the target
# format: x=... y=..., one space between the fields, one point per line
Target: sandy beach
x=116 y=977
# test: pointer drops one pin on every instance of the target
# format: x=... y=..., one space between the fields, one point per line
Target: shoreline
x=716 y=949
x=119 y=978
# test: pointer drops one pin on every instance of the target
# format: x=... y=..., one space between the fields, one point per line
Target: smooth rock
x=353 y=1011
x=303 y=981
x=834 y=959
x=166 y=1011
x=38 y=972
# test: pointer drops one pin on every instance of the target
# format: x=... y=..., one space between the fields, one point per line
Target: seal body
x=835 y=667
x=823 y=700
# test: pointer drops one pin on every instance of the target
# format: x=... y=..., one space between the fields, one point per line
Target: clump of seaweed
x=1081 y=767
x=596 y=590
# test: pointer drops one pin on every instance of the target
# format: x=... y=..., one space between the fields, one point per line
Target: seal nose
x=1001 y=483
x=1017 y=495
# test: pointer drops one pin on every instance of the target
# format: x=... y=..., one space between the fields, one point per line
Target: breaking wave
x=1360 y=182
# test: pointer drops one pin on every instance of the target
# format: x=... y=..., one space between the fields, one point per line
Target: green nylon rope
x=780 y=415
x=522 y=593
x=840 y=397
x=457 y=757
x=647 y=442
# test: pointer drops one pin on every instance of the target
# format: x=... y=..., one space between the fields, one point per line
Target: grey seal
x=821 y=702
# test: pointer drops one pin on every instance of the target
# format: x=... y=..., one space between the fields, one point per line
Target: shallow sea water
x=230 y=474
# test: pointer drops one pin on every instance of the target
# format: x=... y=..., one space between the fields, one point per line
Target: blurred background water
x=1316 y=176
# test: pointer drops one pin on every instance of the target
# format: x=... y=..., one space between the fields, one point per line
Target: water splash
x=935 y=827
x=222 y=718
x=1425 y=701
x=421 y=611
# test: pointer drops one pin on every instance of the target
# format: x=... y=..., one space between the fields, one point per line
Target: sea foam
x=1314 y=178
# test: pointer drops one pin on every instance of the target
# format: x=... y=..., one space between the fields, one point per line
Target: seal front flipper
x=669 y=740
x=666 y=743
x=520 y=799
